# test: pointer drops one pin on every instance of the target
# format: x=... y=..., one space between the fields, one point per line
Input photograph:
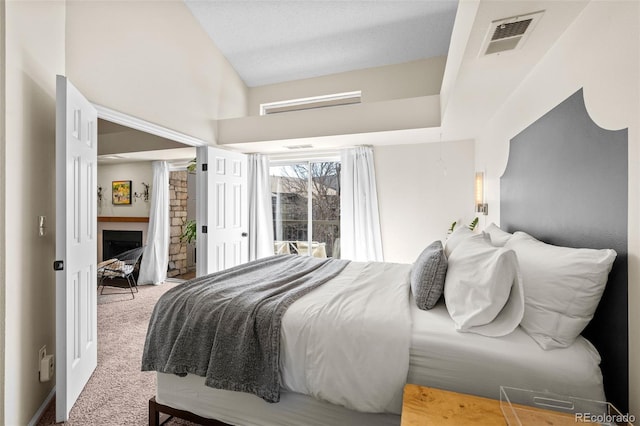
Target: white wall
x=385 y=83
x=394 y=97
x=600 y=52
x=398 y=114
x=35 y=51
x=422 y=189
x=137 y=173
x=3 y=183
x=131 y=140
x=152 y=60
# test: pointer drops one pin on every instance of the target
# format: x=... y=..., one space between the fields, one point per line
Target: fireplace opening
x=116 y=242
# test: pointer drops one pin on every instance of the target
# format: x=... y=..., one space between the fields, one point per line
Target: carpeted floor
x=118 y=392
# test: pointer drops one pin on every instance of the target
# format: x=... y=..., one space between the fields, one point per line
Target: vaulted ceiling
x=269 y=41
x=273 y=41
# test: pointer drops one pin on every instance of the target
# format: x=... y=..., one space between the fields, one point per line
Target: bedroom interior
x=560 y=368
x=426 y=158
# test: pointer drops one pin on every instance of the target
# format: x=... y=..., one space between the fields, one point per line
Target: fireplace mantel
x=122 y=219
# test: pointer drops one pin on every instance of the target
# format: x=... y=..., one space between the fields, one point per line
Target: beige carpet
x=118 y=392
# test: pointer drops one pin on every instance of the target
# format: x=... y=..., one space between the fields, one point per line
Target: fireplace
x=116 y=242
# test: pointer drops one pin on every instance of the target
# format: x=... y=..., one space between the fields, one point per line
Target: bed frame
x=156 y=417
x=566 y=184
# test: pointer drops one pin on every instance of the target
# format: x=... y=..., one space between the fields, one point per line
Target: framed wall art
x=121 y=192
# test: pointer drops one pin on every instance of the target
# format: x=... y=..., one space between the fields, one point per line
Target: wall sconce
x=144 y=194
x=99 y=195
x=481 y=206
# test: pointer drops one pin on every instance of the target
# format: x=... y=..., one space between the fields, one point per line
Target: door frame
x=146 y=126
x=155 y=129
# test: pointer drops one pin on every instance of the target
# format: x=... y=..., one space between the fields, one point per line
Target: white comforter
x=347 y=342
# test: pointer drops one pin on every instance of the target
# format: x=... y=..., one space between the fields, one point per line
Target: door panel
x=76 y=246
x=225 y=215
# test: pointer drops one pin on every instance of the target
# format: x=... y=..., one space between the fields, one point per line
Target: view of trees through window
x=306 y=208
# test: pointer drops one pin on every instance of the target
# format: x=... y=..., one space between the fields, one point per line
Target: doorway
x=76 y=230
x=123 y=139
x=125 y=187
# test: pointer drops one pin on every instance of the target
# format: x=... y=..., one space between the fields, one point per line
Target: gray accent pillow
x=427 y=276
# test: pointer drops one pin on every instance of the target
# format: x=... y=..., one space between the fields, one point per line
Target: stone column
x=178 y=217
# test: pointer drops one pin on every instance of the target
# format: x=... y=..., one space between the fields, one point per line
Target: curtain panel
x=260 y=209
x=360 y=235
x=153 y=266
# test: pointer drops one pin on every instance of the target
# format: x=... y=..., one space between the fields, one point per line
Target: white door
x=222 y=210
x=76 y=246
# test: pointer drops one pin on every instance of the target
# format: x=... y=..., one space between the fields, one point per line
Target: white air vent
x=509 y=33
x=324 y=101
x=299 y=146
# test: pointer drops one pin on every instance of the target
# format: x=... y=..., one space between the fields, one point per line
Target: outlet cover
x=41 y=354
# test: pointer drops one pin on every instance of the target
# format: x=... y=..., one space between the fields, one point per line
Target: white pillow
x=563 y=287
x=498 y=237
x=460 y=234
x=483 y=288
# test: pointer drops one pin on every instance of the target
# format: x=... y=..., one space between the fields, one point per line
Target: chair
x=317 y=249
x=281 y=247
x=119 y=268
x=302 y=248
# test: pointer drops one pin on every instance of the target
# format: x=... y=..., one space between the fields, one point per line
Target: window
x=337 y=99
x=306 y=208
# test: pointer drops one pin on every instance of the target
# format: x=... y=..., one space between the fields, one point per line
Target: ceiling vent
x=299 y=146
x=509 y=33
x=324 y=101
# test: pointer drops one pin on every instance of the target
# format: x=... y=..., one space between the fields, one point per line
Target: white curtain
x=260 y=209
x=153 y=266
x=360 y=237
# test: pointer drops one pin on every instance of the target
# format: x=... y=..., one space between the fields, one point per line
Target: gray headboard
x=566 y=184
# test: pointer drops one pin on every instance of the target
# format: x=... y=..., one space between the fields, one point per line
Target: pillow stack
x=496 y=281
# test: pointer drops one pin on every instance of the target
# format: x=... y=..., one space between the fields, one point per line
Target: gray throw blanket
x=226 y=326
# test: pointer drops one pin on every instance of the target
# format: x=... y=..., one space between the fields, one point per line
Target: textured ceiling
x=270 y=41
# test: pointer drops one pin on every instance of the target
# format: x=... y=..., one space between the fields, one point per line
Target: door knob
x=244 y=234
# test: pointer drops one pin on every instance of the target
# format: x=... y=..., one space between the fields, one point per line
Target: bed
x=439 y=356
x=436 y=353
